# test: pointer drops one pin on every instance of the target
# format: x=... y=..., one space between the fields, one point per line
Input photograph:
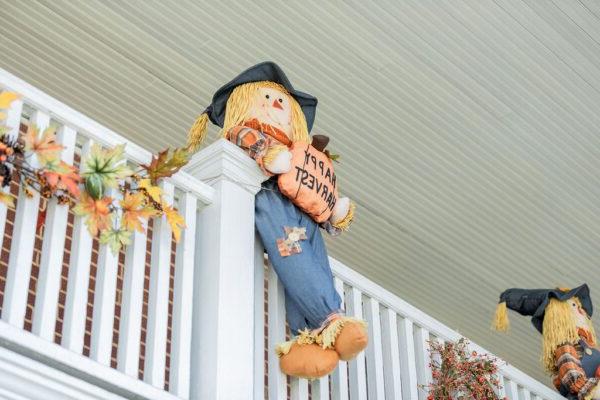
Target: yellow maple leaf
x=45 y=146
x=97 y=213
x=134 y=210
x=6 y=98
x=175 y=220
x=154 y=192
x=7 y=199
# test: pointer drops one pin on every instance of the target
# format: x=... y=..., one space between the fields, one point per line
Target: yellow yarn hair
x=241 y=98
x=500 y=322
x=559 y=328
x=197 y=133
x=236 y=113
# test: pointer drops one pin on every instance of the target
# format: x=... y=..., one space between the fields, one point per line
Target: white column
x=259 y=319
x=223 y=310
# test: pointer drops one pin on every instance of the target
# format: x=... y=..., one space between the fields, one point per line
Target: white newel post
x=223 y=316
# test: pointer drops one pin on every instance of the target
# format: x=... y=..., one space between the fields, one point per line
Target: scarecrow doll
x=261 y=112
x=569 y=350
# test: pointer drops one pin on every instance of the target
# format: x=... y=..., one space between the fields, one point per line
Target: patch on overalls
x=291 y=244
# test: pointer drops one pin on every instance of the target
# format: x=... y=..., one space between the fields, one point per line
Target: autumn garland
x=33 y=161
x=459 y=373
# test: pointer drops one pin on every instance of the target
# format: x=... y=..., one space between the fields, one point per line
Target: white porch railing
x=202 y=326
x=132 y=292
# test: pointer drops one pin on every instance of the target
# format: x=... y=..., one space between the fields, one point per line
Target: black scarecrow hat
x=534 y=301
x=265 y=71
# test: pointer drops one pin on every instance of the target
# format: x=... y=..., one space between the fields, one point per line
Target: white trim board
x=23 y=378
x=54 y=357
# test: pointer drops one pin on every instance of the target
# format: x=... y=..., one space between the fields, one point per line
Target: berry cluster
x=461 y=374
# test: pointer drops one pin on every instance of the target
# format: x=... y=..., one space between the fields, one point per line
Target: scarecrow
x=569 y=350
x=261 y=112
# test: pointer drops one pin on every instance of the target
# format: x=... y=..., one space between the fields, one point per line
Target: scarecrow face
x=271 y=106
x=579 y=315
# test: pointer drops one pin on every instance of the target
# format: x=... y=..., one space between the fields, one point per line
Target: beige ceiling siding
x=469 y=130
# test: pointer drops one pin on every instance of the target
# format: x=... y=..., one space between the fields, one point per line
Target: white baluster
x=13 y=123
x=298 y=389
x=356 y=367
x=501 y=391
x=339 y=378
x=130 y=322
x=259 y=319
x=158 y=299
x=320 y=388
x=48 y=284
x=23 y=240
x=423 y=359
x=408 y=370
x=391 y=355
x=373 y=351
x=524 y=394
x=73 y=330
x=276 y=317
x=511 y=389
x=181 y=337
x=105 y=293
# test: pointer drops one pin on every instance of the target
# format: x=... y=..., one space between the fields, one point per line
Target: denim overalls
x=310 y=295
x=589 y=364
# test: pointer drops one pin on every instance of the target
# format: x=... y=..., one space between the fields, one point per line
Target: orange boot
x=351 y=340
x=347 y=336
x=308 y=361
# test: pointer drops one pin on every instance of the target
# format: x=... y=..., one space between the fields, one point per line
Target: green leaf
x=115 y=239
x=108 y=165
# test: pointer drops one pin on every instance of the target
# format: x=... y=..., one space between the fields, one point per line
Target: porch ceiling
x=469 y=130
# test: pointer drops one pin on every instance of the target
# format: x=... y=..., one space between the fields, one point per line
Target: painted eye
x=281 y=100
x=267 y=96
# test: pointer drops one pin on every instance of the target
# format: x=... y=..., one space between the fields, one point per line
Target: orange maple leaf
x=174 y=219
x=44 y=146
x=134 y=210
x=166 y=163
x=97 y=212
x=64 y=177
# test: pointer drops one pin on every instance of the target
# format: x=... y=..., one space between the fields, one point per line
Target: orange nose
x=277 y=104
